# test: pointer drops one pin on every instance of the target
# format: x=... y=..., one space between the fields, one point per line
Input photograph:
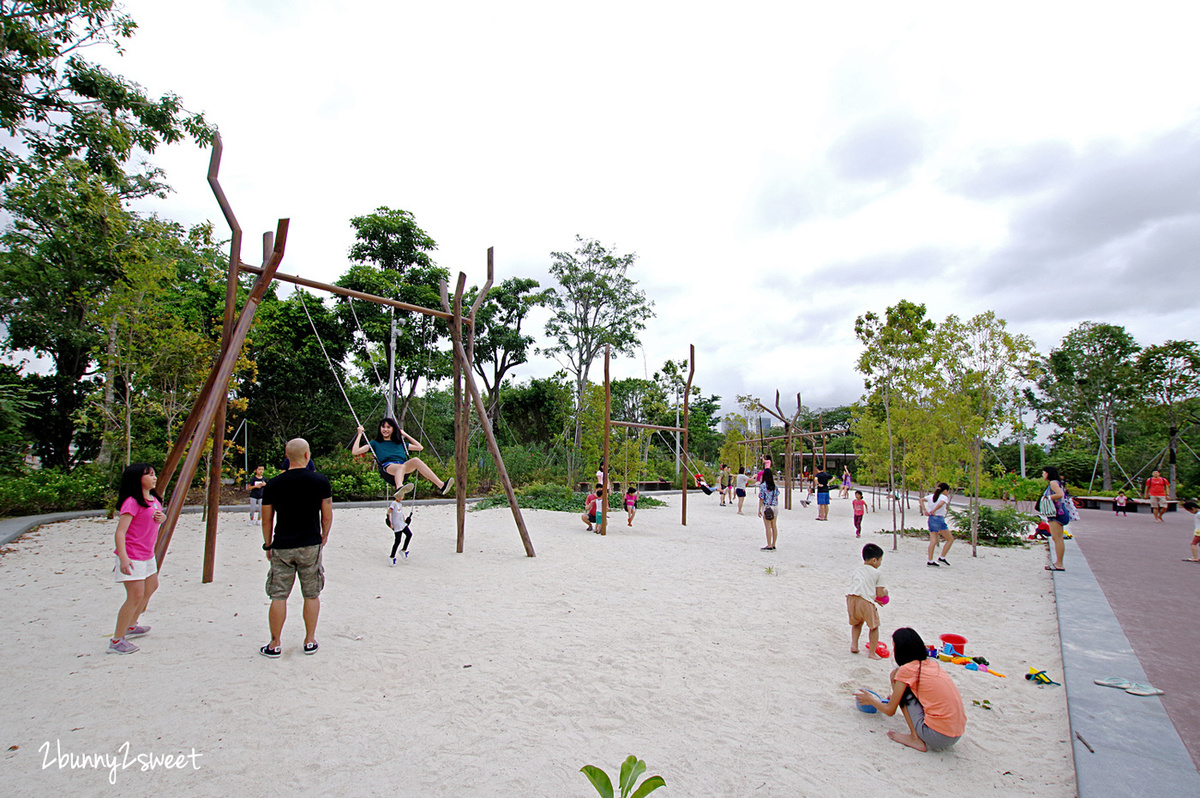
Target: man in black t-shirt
x=297 y=514
x=823 y=478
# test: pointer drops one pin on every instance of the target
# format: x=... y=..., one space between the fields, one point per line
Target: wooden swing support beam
x=207 y=416
x=609 y=424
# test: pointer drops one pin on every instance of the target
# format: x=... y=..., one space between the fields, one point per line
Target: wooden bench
x=1132 y=505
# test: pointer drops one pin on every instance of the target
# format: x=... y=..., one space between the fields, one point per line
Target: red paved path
x=1156 y=597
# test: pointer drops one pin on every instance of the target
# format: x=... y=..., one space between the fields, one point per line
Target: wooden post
x=605 y=481
x=686 y=393
x=220 y=375
x=486 y=426
x=462 y=421
x=461 y=464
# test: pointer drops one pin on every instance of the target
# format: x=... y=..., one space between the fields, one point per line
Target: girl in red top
x=926 y=695
x=137 y=531
x=860 y=509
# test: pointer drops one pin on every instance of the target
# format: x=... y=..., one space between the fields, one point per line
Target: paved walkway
x=1122 y=611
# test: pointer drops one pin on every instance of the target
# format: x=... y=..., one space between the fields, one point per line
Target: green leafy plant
x=770 y=570
x=561 y=498
x=998 y=526
x=631 y=769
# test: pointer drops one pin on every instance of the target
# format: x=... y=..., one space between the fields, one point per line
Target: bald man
x=297 y=513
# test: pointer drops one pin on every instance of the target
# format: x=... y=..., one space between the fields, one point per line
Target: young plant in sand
x=631 y=769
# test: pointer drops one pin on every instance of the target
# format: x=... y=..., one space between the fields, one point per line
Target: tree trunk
x=104 y=456
x=1173 y=448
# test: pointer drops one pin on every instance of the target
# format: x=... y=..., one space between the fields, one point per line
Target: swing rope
x=328 y=359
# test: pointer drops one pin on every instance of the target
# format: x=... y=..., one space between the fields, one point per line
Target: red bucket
x=957 y=642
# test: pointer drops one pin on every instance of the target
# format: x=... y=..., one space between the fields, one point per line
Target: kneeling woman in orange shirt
x=925 y=694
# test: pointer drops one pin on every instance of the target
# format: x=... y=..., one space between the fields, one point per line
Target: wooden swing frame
x=207 y=416
x=609 y=424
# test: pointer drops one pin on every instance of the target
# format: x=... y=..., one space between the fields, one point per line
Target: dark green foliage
x=392 y=241
x=49 y=490
x=353 y=478
x=557 y=497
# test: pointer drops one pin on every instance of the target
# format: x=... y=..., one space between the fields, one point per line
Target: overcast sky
x=778 y=167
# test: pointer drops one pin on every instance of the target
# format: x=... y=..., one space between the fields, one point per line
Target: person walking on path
x=297 y=515
x=1156 y=491
x=938 y=502
x=845 y=482
x=1056 y=493
x=768 y=508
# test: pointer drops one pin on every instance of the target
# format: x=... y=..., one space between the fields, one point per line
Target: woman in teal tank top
x=392 y=450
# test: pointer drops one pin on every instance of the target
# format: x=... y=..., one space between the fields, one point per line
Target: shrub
x=998 y=526
x=560 y=498
x=51 y=490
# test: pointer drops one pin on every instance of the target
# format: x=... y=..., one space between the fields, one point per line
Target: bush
x=351 y=478
x=51 y=490
x=998 y=526
x=560 y=498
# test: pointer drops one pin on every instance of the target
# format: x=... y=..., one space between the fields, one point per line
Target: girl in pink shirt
x=860 y=509
x=137 y=531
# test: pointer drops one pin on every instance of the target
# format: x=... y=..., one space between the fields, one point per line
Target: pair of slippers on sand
x=1133 y=688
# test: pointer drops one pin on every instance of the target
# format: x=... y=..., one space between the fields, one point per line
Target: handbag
x=1045 y=506
x=769 y=514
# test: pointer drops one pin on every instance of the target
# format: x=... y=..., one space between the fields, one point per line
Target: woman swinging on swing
x=391 y=451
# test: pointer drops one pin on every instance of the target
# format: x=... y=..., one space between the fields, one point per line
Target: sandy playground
x=489 y=673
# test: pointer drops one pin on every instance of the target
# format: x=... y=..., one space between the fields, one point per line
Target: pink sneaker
x=137 y=631
x=121 y=646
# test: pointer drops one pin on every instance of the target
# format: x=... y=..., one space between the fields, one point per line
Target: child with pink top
x=631 y=499
x=860 y=509
x=141 y=512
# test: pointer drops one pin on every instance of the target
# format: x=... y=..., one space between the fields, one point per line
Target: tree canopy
x=57 y=105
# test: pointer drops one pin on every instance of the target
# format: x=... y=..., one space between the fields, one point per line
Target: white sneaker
x=393 y=559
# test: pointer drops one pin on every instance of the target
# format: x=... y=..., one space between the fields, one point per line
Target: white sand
x=664 y=641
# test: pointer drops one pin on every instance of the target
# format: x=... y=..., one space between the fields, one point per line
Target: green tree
x=391 y=259
x=1087 y=381
x=596 y=304
x=293 y=394
x=391 y=240
x=15 y=414
x=891 y=362
x=65 y=248
x=500 y=346
x=56 y=105
x=538 y=412
x=985 y=364
x=1169 y=379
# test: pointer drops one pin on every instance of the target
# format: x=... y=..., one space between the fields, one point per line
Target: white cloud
x=779 y=167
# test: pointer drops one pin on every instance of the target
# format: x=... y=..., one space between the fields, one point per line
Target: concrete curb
x=1135 y=749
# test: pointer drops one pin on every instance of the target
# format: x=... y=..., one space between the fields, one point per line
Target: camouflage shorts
x=286 y=564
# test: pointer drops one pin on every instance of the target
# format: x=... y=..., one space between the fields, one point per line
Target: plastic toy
x=954 y=645
x=867 y=708
x=883 y=600
x=881 y=651
x=1040 y=677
